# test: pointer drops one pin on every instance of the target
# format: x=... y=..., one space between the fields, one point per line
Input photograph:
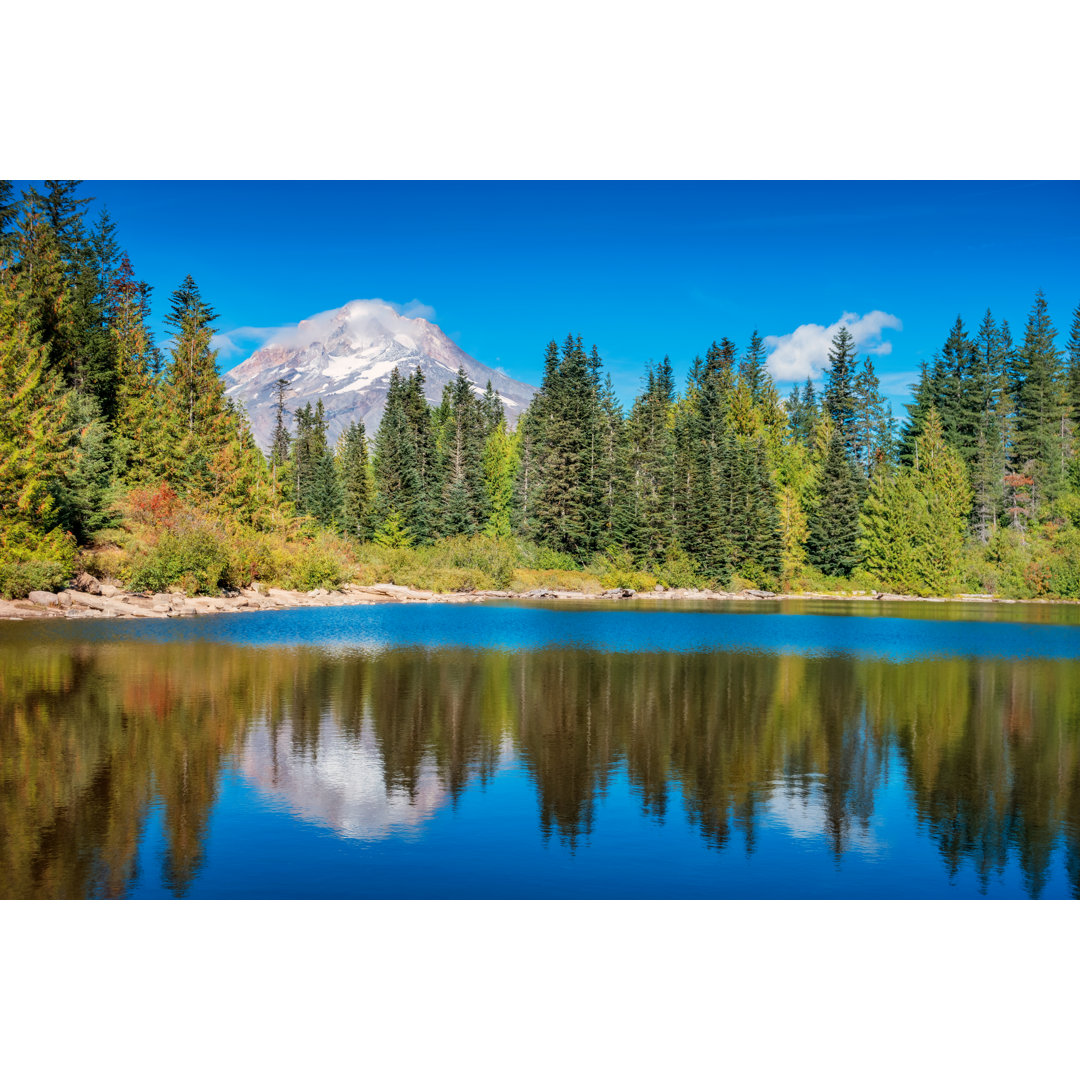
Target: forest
x=128 y=459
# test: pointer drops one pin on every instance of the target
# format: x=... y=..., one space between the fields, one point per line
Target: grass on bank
x=165 y=545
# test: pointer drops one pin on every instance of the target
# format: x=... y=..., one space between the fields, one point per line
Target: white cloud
x=804 y=353
x=415 y=309
x=244 y=340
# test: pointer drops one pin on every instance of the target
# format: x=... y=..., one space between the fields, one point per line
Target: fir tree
x=839 y=400
x=279 y=444
x=941 y=482
x=492 y=408
x=314 y=479
x=464 y=494
x=500 y=467
x=803 y=412
x=832 y=545
x=1072 y=347
x=563 y=511
x=873 y=422
x=354 y=471
x=1041 y=430
x=398 y=485
x=752 y=368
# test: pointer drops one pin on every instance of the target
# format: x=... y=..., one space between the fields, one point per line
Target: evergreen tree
x=893 y=516
x=563 y=514
x=500 y=467
x=752 y=369
x=492 y=408
x=314 y=478
x=839 y=400
x=995 y=426
x=803 y=412
x=399 y=493
x=85 y=474
x=356 y=488
x=873 y=422
x=421 y=519
x=464 y=495
x=279 y=444
x=1041 y=406
x=941 y=482
x=1072 y=347
x=653 y=465
x=957 y=391
x=31 y=420
x=832 y=544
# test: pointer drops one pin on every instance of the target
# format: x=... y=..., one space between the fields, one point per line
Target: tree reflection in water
x=93 y=737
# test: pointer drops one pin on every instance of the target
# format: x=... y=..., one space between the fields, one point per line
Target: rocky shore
x=89 y=598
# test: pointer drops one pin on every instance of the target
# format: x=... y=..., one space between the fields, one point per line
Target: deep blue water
x=531 y=750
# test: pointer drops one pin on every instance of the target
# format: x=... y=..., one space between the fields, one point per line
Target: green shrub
x=538 y=557
x=195 y=560
x=525 y=580
x=32 y=560
x=312 y=567
x=679 y=572
x=616 y=570
x=19 y=579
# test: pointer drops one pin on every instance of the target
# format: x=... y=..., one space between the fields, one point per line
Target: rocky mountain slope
x=345 y=357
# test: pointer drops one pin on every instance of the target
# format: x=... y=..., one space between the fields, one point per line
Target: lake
x=511 y=749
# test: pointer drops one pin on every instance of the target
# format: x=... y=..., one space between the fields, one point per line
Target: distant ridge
x=346 y=356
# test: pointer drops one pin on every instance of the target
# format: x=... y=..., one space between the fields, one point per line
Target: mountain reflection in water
x=99 y=738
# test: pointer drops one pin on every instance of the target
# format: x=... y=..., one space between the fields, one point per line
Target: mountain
x=345 y=357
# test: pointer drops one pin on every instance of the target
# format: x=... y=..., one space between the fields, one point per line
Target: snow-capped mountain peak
x=345 y=356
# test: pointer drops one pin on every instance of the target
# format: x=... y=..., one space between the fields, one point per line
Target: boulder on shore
x=87 y=583
x=42 y=598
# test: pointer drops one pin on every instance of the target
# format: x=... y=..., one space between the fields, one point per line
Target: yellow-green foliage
x=30 y=560
x=525 y=580
x=616 y=570
x=164 y=544
x=453 y=564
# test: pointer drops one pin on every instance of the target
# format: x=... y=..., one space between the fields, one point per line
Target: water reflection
x=97 y=737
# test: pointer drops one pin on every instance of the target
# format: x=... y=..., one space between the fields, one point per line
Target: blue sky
x=641 y=269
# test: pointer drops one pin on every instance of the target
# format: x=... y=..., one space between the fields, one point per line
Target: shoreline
x=96 y=600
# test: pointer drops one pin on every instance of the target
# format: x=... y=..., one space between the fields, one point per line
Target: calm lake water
x=528 y=750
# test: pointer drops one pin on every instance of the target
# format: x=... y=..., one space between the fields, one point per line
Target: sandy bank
x=103 y=601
